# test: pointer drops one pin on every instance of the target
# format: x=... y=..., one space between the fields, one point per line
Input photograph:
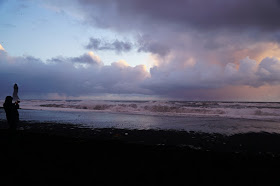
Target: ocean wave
x=247 y=110
x=144 y=107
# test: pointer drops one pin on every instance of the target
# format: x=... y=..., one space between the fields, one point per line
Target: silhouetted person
x=11 y=110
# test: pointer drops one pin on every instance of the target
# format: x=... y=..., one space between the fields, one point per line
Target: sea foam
x=245 y=110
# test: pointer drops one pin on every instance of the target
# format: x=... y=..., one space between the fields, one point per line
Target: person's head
x=8 y=100
x=15 y=85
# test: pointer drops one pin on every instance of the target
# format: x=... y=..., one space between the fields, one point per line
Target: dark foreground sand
x=60 y=154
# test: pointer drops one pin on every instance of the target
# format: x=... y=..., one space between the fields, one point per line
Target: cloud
x=117 y=46
x=82 y=61
x=2 y=48
x=143 y=44
x=269 y=70
x=208 y=77
x=94 y=44
x=89 y=58
x=214 y=31
x=201 y=49
x=147 y=43
x=61 y=76
x=233 y=14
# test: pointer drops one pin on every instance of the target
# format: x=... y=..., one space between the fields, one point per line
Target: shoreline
x=55 y=154
x=252 y=142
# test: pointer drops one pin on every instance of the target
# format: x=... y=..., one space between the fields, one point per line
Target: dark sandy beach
x=61 y=154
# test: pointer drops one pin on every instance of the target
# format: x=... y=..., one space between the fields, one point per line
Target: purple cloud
x=117 y=46
x=144 y=44
x=200 y=46
x=233 y=14
x=37 y=78
x=62 y=76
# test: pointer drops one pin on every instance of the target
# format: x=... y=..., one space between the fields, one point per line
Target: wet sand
x=61 y=154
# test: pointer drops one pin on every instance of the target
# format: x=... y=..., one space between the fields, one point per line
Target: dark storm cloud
x=200 y=45
x=149 y=44
x=230 y=25
x=154 y=48
x=185 y=28
x=184 y=13
x=144 y=44
x=198 y=29
x=117 y=46
x=62 y=76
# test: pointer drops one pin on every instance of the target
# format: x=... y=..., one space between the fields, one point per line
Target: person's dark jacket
x=11 y=110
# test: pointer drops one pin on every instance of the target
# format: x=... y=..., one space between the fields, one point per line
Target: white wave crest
x=250 y=110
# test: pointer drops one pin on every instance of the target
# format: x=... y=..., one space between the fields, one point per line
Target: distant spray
x=15 y=93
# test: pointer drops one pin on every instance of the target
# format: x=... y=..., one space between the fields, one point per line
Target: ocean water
x=211 y=117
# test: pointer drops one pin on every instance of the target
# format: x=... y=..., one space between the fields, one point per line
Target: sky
x=141 y=49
